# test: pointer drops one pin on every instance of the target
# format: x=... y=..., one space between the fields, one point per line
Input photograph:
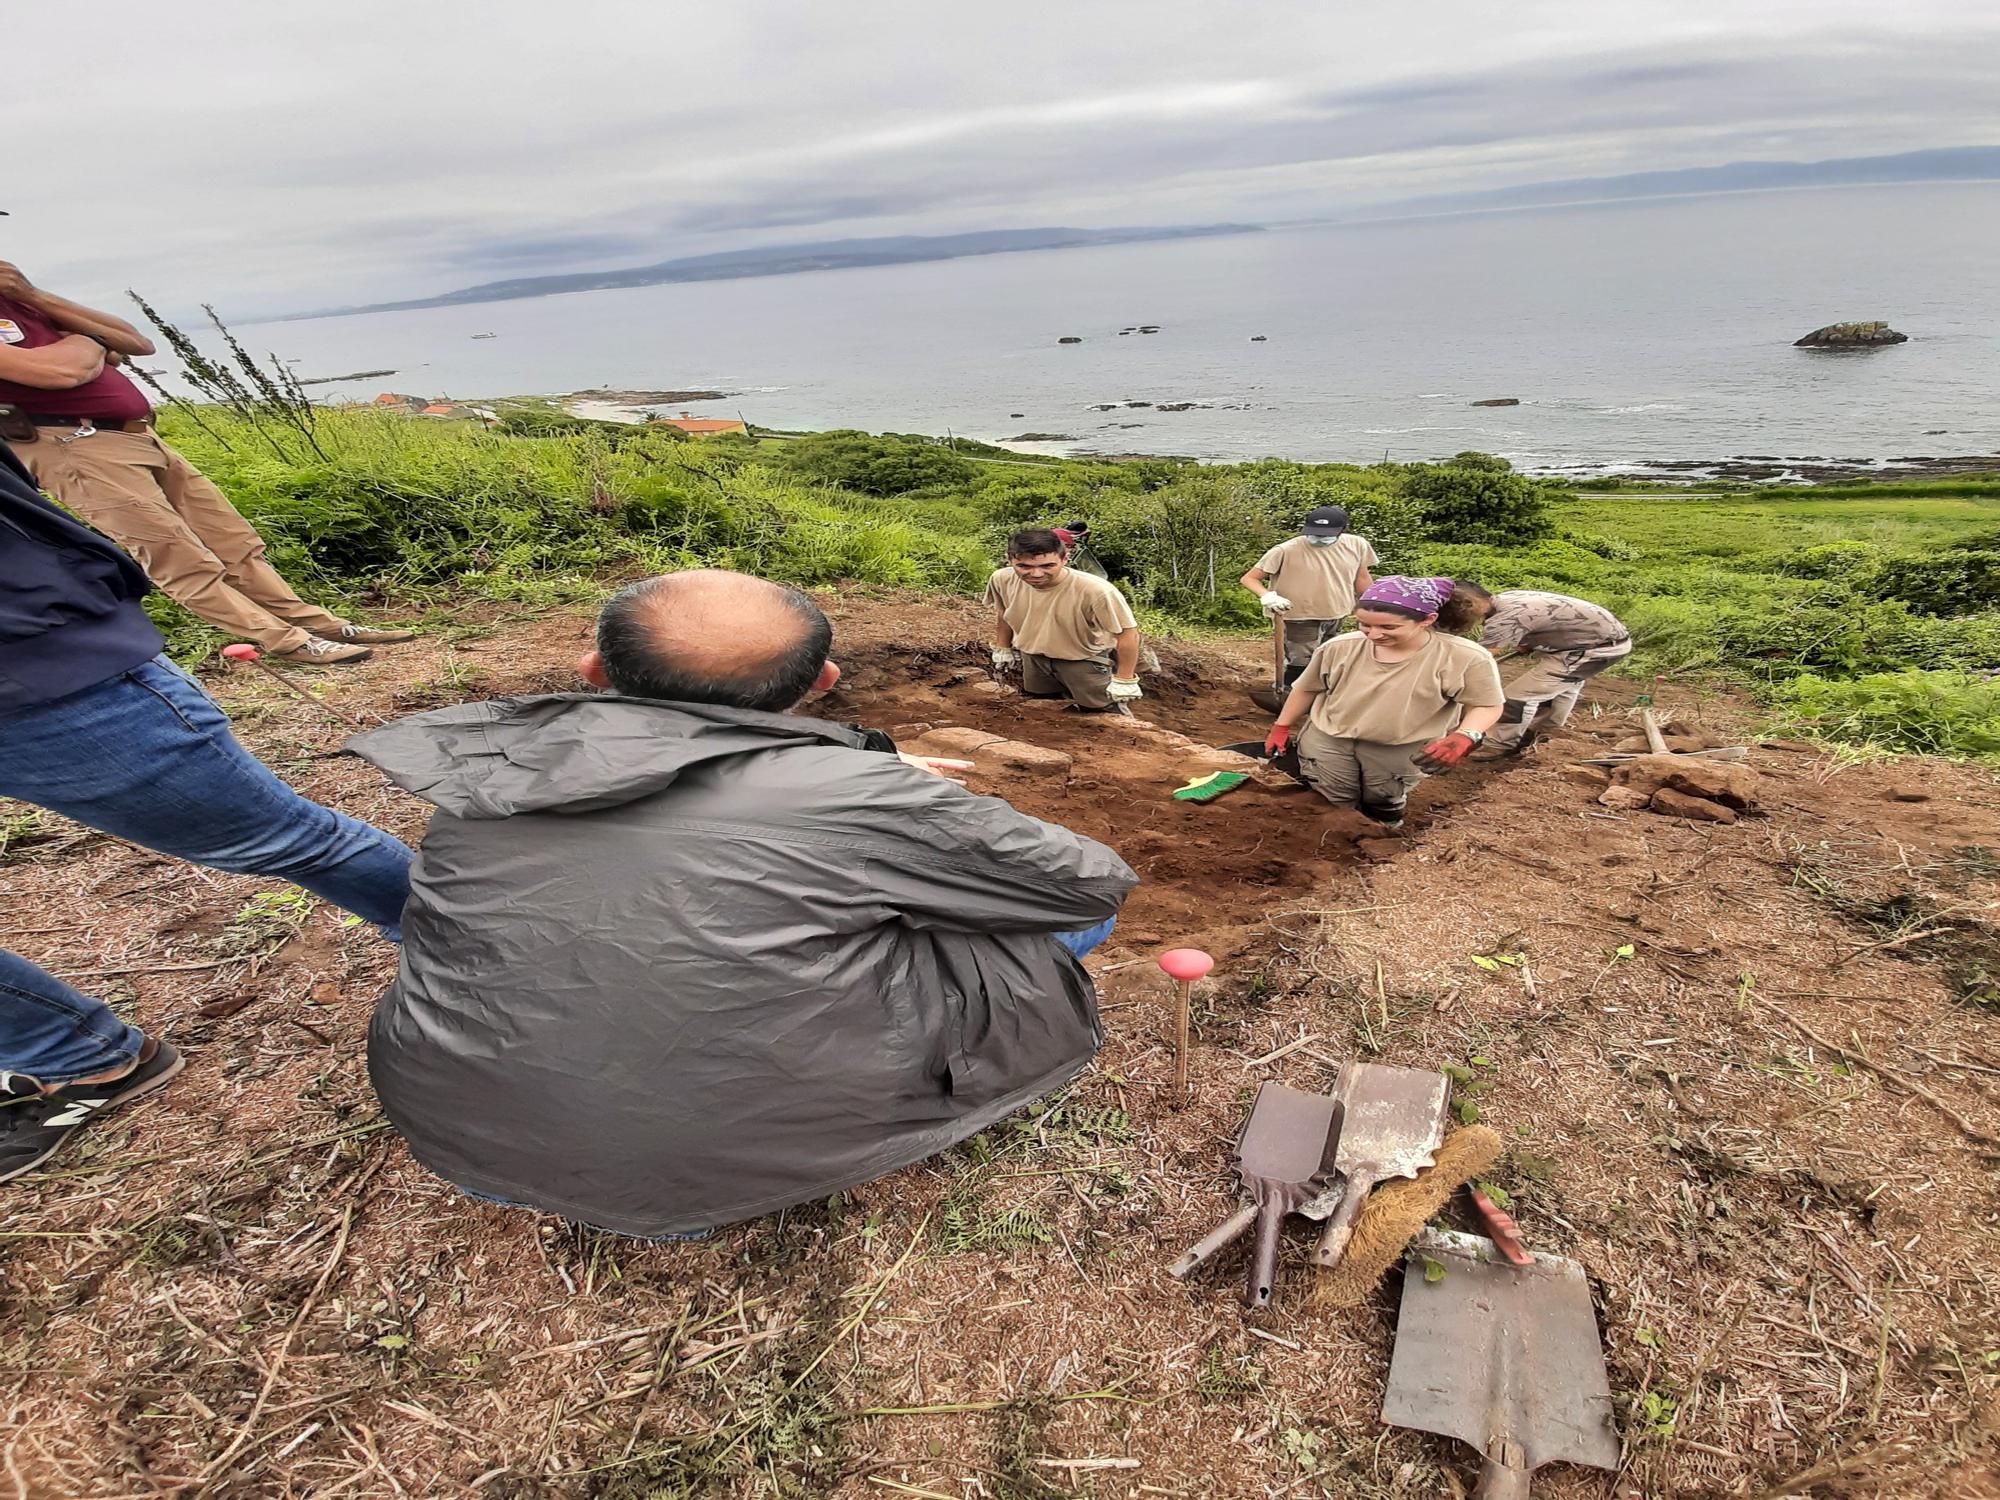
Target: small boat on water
x=486 y=335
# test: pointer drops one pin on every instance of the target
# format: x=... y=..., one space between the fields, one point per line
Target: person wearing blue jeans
x=97 y=725
x=1080 y=943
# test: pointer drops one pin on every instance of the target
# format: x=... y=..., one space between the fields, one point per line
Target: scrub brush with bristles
x=1208 y=788
x=1394 y=1213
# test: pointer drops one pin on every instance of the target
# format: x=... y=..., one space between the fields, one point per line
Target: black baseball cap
x=1328 y=520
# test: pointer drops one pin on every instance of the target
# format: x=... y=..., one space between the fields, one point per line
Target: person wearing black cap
x=1310 y=582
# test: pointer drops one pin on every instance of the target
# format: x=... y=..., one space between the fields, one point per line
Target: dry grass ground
x=1748 y=1074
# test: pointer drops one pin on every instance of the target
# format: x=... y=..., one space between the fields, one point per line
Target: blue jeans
x=146 y=756
x=55 y=1033
x=1080 y=943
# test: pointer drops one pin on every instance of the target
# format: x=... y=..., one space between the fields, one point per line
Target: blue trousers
x=1080 y=943
x=146 y=756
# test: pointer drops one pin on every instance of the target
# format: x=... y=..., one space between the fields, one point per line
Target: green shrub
x=1460 y=504
x=1932 y=713
x=886 y=465
x=1490 y=463
x=1608 y=547
x=1845 y=561
x=1185 y=546
x=542 y=419
x=1943 y=583
x=1376 y=504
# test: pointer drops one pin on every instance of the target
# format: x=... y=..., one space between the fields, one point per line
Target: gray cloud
x=286 y=157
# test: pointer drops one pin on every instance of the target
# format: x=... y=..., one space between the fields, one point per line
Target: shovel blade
x=1394 y=1118
x=1492 y=1353
x=1290 y=1139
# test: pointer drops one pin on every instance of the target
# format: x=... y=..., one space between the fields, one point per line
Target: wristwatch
x=1477 y=736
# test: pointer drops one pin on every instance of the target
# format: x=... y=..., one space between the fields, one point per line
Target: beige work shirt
x=1074 y=618
x=1318 y=580
x=1402 y=702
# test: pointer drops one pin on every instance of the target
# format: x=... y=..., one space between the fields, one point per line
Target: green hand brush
x=1208 y=788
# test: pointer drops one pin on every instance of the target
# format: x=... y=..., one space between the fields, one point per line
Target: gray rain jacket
x=667 y=966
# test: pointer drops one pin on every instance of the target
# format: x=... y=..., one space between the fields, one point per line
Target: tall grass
x=1865 y=613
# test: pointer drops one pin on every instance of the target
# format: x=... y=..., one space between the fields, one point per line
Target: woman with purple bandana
x=1393 y=700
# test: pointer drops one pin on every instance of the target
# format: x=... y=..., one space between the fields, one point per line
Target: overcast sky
x=276 y=156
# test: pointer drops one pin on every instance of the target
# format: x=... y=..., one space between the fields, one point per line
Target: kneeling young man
x=1072 y=635
x=676 y=957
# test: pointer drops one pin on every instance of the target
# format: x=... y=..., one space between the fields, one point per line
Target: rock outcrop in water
x=1851 y=336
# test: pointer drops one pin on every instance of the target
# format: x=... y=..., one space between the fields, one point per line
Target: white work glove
x=1122 y=691
x=1274 y=602
x=1005 y=657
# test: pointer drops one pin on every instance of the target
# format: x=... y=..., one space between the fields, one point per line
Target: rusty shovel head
x=1286 y=1156
x=1395 y=1119
x=1289 y=1144
x=1506 y=1359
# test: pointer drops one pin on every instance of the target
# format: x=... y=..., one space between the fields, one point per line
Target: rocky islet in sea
x=1851 y=336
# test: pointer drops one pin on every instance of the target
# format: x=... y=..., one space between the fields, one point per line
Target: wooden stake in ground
x=1655 y=741
x=1185 y=965
x=248 y=656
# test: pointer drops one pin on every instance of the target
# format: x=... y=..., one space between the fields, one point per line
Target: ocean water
x=1631 y=334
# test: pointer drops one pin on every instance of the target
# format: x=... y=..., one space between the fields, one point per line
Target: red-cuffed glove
x=1278 y=740
x=1442 y=755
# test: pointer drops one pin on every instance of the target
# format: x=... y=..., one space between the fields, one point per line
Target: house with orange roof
x=703 y=427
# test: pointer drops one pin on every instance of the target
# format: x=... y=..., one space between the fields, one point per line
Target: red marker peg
x=248 y=656
x=1184 y=965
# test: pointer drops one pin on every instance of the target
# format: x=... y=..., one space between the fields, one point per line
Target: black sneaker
x=34 y=1125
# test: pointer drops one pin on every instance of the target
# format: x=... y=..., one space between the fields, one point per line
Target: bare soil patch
x=1769 y=1133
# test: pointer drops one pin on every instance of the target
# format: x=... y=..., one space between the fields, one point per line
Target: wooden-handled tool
x=1394 y=1121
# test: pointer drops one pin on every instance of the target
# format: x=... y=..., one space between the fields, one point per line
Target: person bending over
x=1310 y=582
x=85 y=431
x=676 y=957
x=1072 y=635
x=1397 y=698
x=1571 y=639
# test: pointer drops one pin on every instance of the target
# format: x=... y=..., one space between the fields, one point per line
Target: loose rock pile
x=1684 y=786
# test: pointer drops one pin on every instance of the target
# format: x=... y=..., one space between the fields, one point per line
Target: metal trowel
x=1285 y=1159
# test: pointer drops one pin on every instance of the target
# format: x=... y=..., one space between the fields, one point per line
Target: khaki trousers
x=1362 y=774
x=180 y=528
x=1302 y=638
x=1544 y=696
x=1082 y=682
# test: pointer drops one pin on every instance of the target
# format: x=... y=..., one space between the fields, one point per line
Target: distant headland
x=783 y=260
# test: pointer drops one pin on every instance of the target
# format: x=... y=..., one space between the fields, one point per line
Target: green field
x=1867 y=614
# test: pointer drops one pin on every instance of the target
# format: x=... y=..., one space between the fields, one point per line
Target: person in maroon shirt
x=85 y=432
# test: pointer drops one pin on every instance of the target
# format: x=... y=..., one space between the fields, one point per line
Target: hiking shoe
x=34 y=1125
x=368 y=635
x=319 y=653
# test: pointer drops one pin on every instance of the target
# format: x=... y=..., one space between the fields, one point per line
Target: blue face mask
x=1322 y=541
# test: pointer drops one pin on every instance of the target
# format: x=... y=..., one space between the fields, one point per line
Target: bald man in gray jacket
x=675 y=957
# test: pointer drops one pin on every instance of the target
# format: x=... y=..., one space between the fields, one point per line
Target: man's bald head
x=710 y=636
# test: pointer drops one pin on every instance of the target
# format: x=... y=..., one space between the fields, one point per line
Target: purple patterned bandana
x=1412 y=596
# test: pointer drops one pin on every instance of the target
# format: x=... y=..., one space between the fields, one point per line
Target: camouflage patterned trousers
x=1544 y=696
